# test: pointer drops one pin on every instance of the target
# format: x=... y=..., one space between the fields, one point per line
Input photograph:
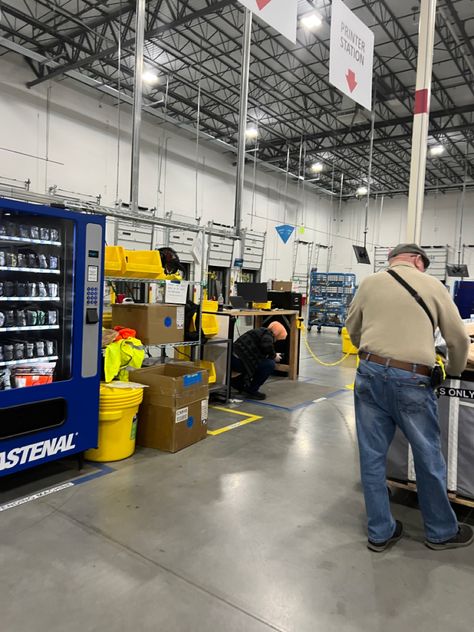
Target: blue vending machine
x=51 y=279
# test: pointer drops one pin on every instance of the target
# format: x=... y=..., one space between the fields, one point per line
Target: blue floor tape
x=298 y=406
x=103 y=470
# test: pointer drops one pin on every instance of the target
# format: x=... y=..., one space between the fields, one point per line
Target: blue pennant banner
x=285 y=231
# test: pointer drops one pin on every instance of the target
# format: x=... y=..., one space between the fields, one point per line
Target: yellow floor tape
x=248 y=420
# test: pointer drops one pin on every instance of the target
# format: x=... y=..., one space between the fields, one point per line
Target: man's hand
x=278 y=357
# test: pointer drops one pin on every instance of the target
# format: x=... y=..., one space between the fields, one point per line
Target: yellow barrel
x=347 y=346
x=118 y=416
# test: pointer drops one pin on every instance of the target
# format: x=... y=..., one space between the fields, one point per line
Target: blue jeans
x=386 y=398
x=261 y=375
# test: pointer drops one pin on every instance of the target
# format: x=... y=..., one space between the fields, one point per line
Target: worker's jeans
x=386 y=398
x=261 y=375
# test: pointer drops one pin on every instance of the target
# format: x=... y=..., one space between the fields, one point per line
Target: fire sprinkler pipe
x=421 y=117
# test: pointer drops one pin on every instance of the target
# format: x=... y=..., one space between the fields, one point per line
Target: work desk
x=261 y=317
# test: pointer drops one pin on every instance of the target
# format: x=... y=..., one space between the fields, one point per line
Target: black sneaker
x=257 y=395
x=378 y=547
x=237 y=384
x=464 y=537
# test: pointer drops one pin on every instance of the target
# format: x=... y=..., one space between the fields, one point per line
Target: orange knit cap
x=277 y=330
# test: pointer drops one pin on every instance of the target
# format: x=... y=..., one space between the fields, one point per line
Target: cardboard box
x=282 y=286
x=155 y=324
x=175 y=407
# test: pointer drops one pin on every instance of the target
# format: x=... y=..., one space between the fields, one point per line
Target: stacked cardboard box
x=282 y=286
x=174 y=411
x=155 y=324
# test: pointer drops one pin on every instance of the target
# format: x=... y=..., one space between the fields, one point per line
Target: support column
x=137 y=104
x=421 y=119
x=244 y=93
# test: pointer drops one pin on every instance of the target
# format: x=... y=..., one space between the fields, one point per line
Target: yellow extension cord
x=301 y=326
x=313 y=355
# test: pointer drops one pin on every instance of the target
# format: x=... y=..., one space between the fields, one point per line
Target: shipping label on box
x=182 y=414
x=180 y=318
x=204 y=410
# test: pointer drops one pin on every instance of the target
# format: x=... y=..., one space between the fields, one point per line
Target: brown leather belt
x=421 y=369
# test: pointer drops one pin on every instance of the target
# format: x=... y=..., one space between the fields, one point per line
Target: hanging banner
x=351 y=55
x=285 y=231
x=279 y=14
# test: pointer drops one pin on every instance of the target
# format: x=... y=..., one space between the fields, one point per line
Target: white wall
x=76 y=129
x=387 y=224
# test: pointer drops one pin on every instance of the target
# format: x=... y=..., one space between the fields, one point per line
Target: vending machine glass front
x=36 y=299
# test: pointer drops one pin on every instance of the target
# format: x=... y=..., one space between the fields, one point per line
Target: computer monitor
x=457 y=270
x=237 y=302
x=361 y=254
x=253 y=292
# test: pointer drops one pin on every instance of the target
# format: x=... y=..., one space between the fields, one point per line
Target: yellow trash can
x=118 y=408
x=347 y=346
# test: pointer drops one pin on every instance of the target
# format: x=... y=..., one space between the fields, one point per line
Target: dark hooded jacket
x=253 y=347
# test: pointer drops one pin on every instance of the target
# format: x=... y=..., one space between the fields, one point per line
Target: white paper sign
x=351 y=56
x=204 y=410
x=280 y=14
x=176 y=292
x=182 y=414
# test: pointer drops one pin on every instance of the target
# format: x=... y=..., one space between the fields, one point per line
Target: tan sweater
x=384 y=319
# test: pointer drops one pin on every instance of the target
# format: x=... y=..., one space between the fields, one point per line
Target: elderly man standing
x=392 y=320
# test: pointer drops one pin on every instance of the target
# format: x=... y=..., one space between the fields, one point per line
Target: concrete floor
x=260 y=528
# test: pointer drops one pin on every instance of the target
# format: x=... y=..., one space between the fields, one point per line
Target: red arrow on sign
x=351 y=80
x=261 y=4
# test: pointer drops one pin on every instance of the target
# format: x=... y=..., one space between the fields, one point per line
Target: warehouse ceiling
x=195 y=46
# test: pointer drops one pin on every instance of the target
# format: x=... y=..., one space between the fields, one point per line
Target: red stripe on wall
x=421 y=101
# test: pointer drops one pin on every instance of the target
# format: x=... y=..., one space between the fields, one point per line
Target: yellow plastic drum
x=118 y=416
x=347 y=346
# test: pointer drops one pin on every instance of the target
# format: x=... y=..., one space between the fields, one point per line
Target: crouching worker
x=254 y=358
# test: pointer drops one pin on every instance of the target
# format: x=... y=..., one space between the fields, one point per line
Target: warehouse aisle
x=258 y=528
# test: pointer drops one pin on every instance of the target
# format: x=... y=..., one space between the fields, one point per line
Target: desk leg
x=293 y=372
x=230 y=345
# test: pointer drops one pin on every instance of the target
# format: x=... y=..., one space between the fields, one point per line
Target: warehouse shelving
x=329 y=298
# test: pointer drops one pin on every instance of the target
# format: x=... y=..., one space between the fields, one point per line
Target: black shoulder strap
x=414 y=293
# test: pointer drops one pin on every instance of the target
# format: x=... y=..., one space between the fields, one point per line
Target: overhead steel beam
x=111 y=50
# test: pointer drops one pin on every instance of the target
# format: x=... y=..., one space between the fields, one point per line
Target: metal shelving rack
x=329 y=298
x=162 y=282
x=194 y=344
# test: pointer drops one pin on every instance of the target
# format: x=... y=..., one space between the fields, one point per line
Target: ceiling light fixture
x=317 y=167
x=150 y=76
x=251 y=133
x=436 y=150
x=362 y=191
x=311 y=21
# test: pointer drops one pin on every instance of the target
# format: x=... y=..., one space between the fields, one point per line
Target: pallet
x=453 y=497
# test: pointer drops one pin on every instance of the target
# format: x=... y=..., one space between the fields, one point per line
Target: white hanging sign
x=280 y=14
x=351 y=56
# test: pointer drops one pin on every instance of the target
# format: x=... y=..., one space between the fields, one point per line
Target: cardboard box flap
x=170 y=380
x=176 y=400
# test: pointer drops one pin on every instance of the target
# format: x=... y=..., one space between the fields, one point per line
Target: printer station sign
x=351 y=55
